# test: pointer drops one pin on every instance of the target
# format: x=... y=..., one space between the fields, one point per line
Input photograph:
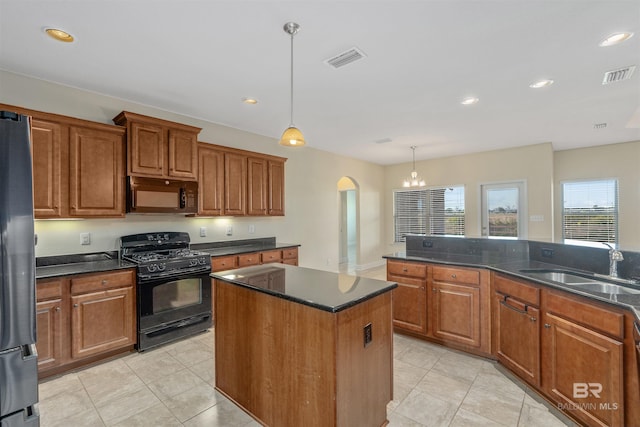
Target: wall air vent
x=618 y=75
x=383 y=141
x=600 y=126
x=345 y=58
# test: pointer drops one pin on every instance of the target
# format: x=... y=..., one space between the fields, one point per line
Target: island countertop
x=323 y=290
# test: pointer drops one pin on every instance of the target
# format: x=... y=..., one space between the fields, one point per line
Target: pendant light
x=414 y=180
x=292 y=137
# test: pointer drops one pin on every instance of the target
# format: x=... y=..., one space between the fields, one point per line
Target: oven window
x=176 y=294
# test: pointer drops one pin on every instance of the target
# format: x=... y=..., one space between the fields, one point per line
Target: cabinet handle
x=404 y=270
x=517 y=310
x=57 y=308
x=422 y=288
x=75 y=305
x=546 y=325
x=533 y=319
x=104 y=282
x=453 y=276
x=434 y=290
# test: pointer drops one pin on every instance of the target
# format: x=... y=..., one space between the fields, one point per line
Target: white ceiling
x=200 y=58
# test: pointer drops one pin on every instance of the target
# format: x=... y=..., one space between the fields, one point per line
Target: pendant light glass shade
x=414 y=180
x=292 y=136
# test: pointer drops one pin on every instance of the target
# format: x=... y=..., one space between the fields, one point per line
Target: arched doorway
x=348 y=224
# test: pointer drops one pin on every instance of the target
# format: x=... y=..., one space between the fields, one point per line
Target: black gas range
x=173 y=286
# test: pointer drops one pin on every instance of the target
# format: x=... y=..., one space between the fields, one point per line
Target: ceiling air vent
x=345 y=58
x=618 y=75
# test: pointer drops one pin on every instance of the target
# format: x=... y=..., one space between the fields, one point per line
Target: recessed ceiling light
x=469 y=101
x=541 y=83
x=59 y=35
x=615 y=39
x=251 y=101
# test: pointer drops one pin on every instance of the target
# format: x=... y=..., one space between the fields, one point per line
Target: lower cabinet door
x=518 y=338
x=49 y=332
x=582 y=372
x=456 y=313
x=102 y=321
x=410 y=304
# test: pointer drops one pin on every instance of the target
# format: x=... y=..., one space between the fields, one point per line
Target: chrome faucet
x=614 y=257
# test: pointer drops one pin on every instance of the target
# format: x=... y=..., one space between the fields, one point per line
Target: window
x=504 y=210
x=435 y=211
x=590 y=211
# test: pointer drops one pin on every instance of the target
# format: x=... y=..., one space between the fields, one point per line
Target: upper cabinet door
x=96 y=172
x=235 y=184
x=210 y=180
x=183 y=154
x=276 y=188
x=256 y=186
x=49 y=151
x=147 y=150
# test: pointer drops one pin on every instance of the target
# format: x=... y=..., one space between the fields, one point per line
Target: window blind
x=435 y=211
x=590 y=211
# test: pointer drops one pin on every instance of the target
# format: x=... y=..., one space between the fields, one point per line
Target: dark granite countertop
x=515 y=267
x=323 y=290
x=67 y=265
x=243 y=249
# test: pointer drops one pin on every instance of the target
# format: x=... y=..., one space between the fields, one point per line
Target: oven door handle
x=182 y=274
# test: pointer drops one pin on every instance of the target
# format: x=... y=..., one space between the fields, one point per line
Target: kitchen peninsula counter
x=296 y=346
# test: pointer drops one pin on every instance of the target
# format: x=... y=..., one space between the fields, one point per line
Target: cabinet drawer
x=410 y=269
x=224 y=263
x=271 y=256
x=456 y=275
x=48 y=289
x=587 y=314
x=100 y=282
x=517 y=289
x=290 y=253
x=248 y=259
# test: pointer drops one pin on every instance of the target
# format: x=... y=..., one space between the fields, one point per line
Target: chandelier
x=414 y=180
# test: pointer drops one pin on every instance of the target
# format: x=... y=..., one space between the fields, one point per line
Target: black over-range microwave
x=159 y=195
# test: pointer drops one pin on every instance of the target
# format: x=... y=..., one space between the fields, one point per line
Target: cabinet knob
x=405 y=269
x=546 y=325
x=434 y=290
x=533 y=319
x=75 y=305
x=104 y=282
x=453 y=276
x=57 y=308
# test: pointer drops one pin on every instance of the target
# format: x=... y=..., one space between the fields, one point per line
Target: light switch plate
x=229 y=230
x=203 y=231
x=85 y=238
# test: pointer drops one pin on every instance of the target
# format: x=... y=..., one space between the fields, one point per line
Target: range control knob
x=202 y=261
x=152 y=268
x=162 y=266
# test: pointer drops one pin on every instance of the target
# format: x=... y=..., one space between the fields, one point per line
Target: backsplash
x=493 y=250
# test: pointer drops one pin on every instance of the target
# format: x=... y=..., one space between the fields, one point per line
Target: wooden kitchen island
x=302 y=347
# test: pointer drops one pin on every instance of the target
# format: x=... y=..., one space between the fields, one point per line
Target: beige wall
x=532 y=164
x=619 y=161
x=311 y=186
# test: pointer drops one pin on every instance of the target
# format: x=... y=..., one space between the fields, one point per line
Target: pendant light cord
x=291 y=121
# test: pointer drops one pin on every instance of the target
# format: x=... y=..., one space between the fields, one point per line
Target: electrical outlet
x=368 y=335
x=546 y=252
x=85 y=238
x=203 y=231
x=427 y=243
x=229 y=230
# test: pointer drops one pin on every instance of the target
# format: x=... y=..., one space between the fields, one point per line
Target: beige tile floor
x=173 y=386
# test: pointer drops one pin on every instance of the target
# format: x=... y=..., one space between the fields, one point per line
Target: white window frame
x=426 y=223
x=612 y=234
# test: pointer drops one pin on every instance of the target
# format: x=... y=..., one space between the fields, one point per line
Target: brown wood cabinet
x=82 y=319
x=290 y=256
x=460 y=307
x=211 y=180
x=237 y=182
x=50 y=313
x=159 y=148
x=582 y=359
x=78 y=166
x=228 y=262
x=410 y=297
x=516 y=327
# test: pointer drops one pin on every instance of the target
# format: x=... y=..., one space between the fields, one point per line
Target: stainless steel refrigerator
x=18 y=357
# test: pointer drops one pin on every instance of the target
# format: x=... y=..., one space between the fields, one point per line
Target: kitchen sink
x=607 y=288
x=581 y=281
x=562 y=276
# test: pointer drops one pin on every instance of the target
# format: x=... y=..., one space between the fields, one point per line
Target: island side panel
x=275 y=358
x=365 y=373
